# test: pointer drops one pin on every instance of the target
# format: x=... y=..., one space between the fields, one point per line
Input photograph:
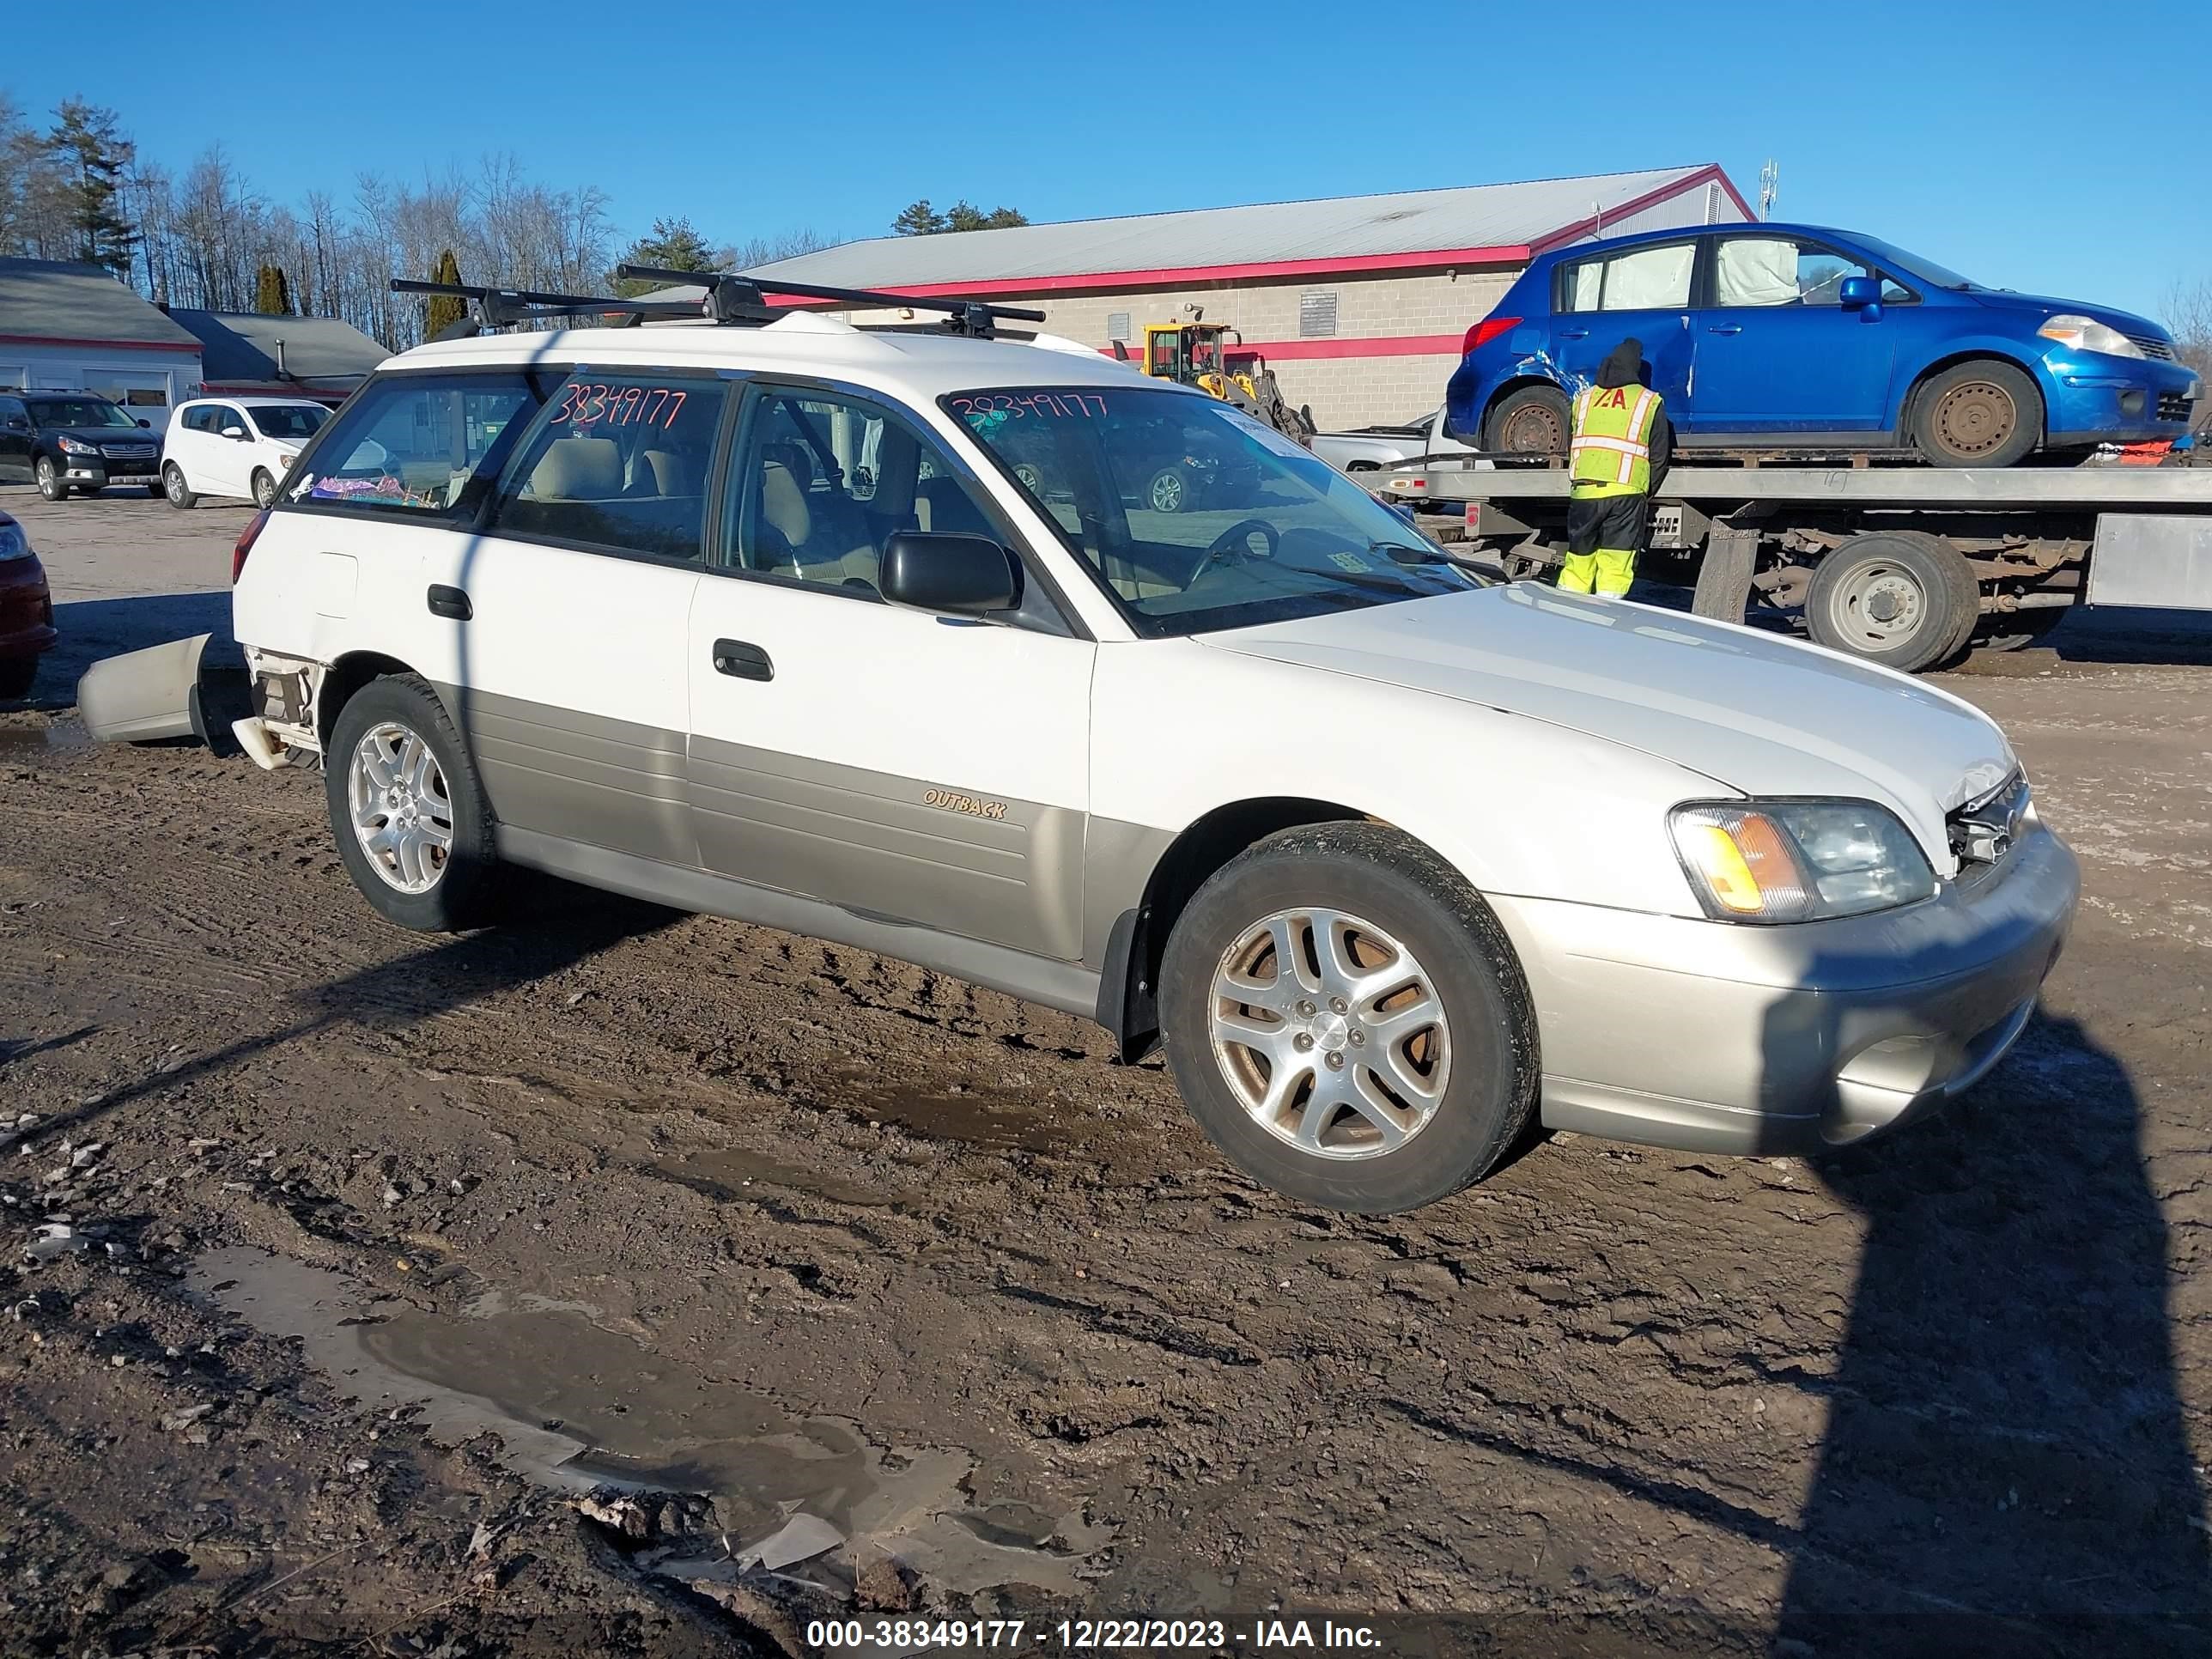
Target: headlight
x=13 y=543
x=78 y=446
x=2084 y=334
x=1799 y=860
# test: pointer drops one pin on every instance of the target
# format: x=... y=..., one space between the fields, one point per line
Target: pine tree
x=91 y=152
x=272 y=292
x=444 y=310
x=673 y=244
x=920 y=218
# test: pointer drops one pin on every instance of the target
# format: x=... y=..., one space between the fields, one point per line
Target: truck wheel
x=1901 y=598
x=1532 y=421
x=1347 y=1022
x=1983 y=413
x=175 y=487
x=408 y=809
x=49 y=476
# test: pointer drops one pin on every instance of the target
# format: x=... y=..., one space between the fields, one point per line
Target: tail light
x=1486 y=331
x=246 y=540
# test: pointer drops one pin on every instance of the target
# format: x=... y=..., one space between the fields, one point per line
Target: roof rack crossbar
x=497 y=307
x=750 y=293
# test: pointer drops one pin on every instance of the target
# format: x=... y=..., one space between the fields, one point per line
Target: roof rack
x=729 y=298
x=497 y=307
x=744 y=297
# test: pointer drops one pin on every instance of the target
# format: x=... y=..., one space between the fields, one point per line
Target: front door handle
x=1723 y=328
x=1574 y=334
x=741 y=661
x=450 y=602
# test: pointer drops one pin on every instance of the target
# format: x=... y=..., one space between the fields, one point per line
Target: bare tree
x=2189 y=314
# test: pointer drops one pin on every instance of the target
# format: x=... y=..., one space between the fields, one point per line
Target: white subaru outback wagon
x=873 y=636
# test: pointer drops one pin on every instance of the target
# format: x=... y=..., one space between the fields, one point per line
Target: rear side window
x=419 y=446
x=616 y=461
x=199 y=417
x=1638 y=279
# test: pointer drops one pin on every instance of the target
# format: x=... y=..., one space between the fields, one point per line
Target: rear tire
x=180 y=494
x=1983 y=413
x=1903 y=599
x=50 y=480
x=1456 y=1084
x=437 y=869
x=1530 y=420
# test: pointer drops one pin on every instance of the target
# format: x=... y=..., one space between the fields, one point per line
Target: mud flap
x=144 y=695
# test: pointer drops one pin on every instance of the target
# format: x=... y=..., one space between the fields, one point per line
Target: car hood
x=1757 y=713
x=2041 y=305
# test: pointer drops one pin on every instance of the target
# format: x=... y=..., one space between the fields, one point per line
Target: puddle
x=576 y=1406
x=725 y=1176
x=979 y=1117
x=24 y=743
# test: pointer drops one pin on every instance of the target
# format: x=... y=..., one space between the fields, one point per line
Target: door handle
x=1574 y=334
x=741 y=661
x=1723 y=328
x=450 y=602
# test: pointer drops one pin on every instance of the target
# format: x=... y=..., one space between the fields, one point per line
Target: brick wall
x=1343 y=391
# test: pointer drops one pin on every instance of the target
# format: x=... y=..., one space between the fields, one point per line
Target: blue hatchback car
x=1784 y=336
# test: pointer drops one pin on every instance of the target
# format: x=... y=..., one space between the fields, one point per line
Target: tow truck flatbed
x=1908 y=566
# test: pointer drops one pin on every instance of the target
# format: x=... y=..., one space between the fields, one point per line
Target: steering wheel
x=1234 y=544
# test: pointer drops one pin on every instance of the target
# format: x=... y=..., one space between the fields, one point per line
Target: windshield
x=1911 y=265
x=290 y=419
x=1195 y=517
x=79 y=411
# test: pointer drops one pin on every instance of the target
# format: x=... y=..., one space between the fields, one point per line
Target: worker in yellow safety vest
x=1621 y=438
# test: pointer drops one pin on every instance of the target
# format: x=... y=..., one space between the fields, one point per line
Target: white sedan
x=237 y=446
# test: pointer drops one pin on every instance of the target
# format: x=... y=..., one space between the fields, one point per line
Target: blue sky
x=2030 y=145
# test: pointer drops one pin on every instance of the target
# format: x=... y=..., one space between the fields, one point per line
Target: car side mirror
x=144 y=422
x=237 y=432
x=18 y=424
x=963 y=575
x=1858 y=293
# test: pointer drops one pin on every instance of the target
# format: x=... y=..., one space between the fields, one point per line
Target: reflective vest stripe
x=1626 y=447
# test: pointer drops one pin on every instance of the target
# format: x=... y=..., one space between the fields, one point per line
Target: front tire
x=180 y=494
x=265 y=488
x=50 y=481
x=1901 y=598
x=1531 y=420
x=1983 y=413
x=1169 y=490
x=1393 y=1063
x=408 y=809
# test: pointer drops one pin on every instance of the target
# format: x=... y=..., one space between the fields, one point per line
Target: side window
x=824 y=481
x=1781 y=270
x=12 y=409
x=1640 y=279
x=415 y=446
x=617 y=461
x=194 y=418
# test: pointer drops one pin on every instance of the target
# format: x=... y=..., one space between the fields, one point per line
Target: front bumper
x=1712 y=1037
x=2094 y=399
x=27 y=612
x=97 y=472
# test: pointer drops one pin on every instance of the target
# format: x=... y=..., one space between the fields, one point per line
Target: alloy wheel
x=1331 y=1035
x=402 y=811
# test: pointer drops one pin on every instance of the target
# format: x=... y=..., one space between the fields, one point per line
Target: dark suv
x=65 y=441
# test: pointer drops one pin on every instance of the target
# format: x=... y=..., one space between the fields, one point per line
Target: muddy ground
x=392 y=1248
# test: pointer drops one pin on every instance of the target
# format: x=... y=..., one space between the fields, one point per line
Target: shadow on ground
x=2006 y=1470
